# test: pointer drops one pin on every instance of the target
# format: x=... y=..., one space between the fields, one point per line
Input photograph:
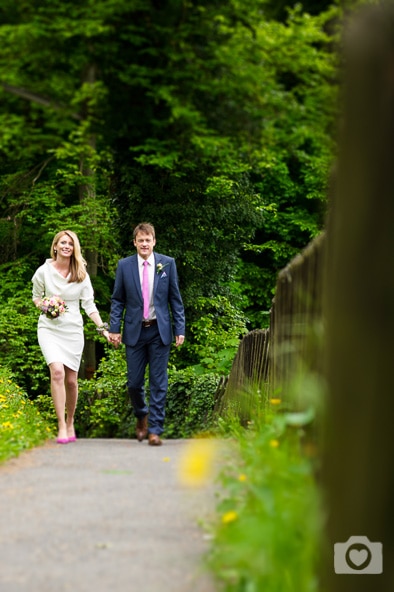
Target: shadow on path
x=101 y=516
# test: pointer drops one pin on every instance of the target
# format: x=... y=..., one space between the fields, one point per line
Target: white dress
x=62 y=339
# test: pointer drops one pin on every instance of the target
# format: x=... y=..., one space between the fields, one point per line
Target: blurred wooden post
x=358 y=463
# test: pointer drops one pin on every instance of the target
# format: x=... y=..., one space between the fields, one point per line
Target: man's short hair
x=144 y=227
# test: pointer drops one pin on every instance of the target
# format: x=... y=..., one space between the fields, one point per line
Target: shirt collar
x=150 y=260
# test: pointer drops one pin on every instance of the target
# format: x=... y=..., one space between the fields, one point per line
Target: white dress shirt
x=151 y=276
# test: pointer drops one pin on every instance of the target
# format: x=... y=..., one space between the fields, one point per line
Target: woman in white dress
x=61 y=338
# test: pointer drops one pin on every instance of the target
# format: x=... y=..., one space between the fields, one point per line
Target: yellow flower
x=275 y=401
x=196 y=463
x=242 y=477
x=7 y=425
x=274 y=443
x=229 y=517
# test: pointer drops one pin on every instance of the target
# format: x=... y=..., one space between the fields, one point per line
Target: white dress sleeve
x=38 y=283
x=87 y=297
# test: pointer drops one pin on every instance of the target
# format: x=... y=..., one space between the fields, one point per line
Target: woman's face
x=64 y=246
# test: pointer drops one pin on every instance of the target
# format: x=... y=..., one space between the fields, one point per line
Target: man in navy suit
x=147 y=338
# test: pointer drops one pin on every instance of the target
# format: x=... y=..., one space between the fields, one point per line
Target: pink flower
x=53 y=306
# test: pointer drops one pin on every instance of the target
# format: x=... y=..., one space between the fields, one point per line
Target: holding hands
x=103 y=330
x=115 y=339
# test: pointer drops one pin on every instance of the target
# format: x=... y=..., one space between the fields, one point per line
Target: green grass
x=267 y=533
x=21 y=425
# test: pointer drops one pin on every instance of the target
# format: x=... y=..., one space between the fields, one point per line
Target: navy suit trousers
x=148 y=350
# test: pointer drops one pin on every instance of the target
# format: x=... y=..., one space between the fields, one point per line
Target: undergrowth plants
x=266 y=537
x=104 y=409
x=21 y=424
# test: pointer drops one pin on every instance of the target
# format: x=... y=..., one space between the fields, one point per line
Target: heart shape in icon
x=358 y=557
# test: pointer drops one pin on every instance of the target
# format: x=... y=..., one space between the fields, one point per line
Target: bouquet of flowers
x=52 y=306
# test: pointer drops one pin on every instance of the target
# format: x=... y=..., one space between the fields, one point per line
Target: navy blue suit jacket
x=127 y=300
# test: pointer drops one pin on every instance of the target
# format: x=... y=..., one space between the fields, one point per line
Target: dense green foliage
x=209 y=120
x=19 y=349
x=104 y=409
x=267 y=535
x=212 y=120
x=236 y=158
x=21 y=424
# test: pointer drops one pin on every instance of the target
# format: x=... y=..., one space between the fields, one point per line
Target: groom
x=146 y=289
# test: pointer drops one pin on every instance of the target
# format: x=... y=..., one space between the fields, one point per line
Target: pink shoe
x=72 y=439
x=62 y=440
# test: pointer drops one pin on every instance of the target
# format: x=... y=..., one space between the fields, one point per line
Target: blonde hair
x=77 y=263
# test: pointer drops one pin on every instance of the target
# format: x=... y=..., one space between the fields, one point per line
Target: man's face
x=144 y=244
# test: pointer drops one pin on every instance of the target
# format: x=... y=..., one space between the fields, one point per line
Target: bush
x=19 y=347
x=21 y=424
x=267 y=536
x=190 y=403
x=213 y=336
x=104 y=409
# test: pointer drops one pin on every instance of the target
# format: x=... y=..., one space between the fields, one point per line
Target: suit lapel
x=158 y=259
x=156 y=275
x=135 y=274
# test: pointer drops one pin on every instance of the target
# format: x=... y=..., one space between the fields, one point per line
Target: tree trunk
x=87 y=193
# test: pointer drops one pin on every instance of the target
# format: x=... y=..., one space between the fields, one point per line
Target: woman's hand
x=106 y=335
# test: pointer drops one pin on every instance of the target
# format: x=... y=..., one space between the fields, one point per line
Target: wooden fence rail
x=268 y=359
x=297 y=318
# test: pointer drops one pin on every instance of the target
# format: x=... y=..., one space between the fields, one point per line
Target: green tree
x=279 y=9
x=56 y=171
x=208 y=119
x=234 y=157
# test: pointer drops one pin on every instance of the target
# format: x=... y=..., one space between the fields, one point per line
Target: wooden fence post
x=358 y=459
x=246 y=385
x=295 y=317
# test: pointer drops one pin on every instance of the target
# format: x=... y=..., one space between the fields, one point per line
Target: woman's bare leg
x=58 y=392
x=71 y=386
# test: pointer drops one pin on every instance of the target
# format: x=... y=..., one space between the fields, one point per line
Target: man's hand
x=115 y=339
x=179 y=339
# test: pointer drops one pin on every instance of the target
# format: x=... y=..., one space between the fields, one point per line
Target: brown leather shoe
x=141 y=429
x=154 y=440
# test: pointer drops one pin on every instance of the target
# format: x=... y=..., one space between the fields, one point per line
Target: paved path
x=101 y=516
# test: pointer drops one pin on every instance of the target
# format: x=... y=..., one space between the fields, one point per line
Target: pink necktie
x=145 y=290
